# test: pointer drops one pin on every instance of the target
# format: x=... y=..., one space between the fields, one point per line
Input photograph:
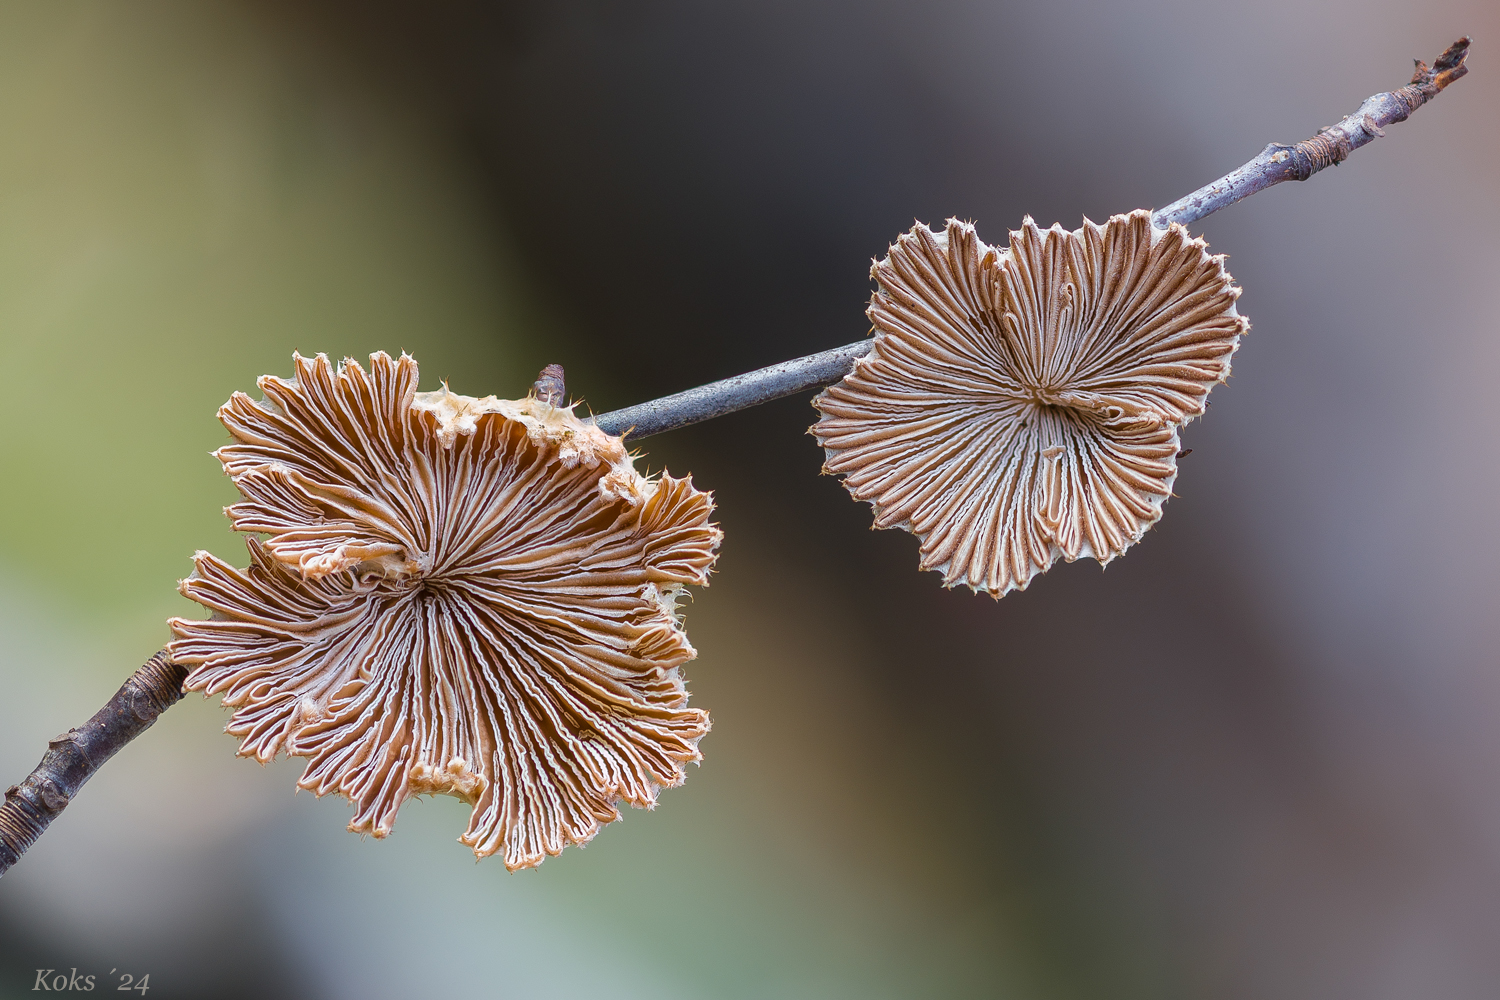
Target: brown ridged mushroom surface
x=473 y=597
x=1022 y=405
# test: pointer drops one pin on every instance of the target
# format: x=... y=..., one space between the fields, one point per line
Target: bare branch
x=738 y=393
x=1330 y=147
x=1275 y=164
x=73 y=757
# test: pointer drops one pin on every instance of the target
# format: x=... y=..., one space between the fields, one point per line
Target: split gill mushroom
x=1022 y=405
x=450 y=595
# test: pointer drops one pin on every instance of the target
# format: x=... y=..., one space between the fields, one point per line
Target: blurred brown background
x=1254 y=759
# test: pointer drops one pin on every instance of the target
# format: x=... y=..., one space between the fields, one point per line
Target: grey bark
x=1276 y=163
x=1330 y=147
x=731 y=394
x=73 y=757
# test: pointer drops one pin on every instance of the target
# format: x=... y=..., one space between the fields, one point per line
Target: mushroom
x=1023 y=405
x=458 y=596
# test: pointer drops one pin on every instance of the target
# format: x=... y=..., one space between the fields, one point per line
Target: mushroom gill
x=1023 y=405
x=472 y=597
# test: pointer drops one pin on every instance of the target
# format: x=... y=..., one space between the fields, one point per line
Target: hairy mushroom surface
x=1021 y=406
x=472 y=597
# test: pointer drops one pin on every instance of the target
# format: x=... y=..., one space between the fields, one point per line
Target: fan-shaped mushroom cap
x=473 y=597
x=1022 y=405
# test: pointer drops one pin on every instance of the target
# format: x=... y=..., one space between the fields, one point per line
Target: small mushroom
x=459 y=596
x=1023 y=405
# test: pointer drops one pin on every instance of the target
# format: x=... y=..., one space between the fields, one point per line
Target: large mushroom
x=1021 y=406
x=472 y=597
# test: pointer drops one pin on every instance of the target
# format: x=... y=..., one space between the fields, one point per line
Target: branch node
x=53 y=797
x=1328 y=148
x=550 y=386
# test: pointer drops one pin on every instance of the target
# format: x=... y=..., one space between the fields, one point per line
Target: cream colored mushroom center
x=457 y=779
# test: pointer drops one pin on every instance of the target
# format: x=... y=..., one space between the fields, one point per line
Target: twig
x=1330 y=147
x=73 y=757
x=738 y=393
x=550 y=386
x=1275 y=164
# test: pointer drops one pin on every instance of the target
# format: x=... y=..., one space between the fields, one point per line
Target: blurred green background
x=188 y=194
x=1254 y=759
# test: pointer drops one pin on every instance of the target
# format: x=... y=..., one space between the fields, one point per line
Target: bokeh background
x=1257 y=758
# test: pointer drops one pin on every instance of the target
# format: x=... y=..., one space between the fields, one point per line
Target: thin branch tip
x=1449 y=66
x=1276 y=163
x=1329 y=147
